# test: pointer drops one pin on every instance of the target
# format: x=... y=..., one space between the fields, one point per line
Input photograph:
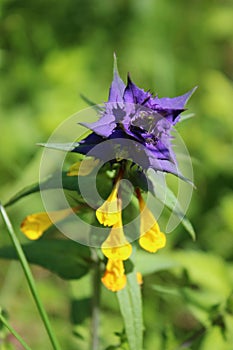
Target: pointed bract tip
x=190 y=93
x=115 y=67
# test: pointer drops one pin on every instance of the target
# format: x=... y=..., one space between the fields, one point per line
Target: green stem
x=95 y=302
x=30 y=279
x=17 y=336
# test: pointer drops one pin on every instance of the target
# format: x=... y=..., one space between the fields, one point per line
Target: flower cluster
x=116 y=247
x=146 y=121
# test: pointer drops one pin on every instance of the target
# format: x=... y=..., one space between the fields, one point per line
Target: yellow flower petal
x=114 y=277
x=151 y=238
x=33 y=226
x=110 y=212
x=116 y=253
x=87 y=166
x=116 y=246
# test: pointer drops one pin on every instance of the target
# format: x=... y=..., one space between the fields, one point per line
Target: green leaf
x=67 y=147
x=148 y=263
x=167 y=197
x=23 y=193
x=61 y=180
x=51 y=182
x=67 y=259
x=130 y=302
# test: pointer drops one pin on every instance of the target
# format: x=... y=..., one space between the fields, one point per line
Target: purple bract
x=136 y=115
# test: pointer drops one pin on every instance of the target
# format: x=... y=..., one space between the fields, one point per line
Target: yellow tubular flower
x=87 y=166
x=114 y=277
x=109 y=213
x=34 y=225
x=151 y=239
x=116 y=246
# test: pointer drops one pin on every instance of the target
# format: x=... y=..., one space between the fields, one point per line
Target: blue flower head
x=135 y=115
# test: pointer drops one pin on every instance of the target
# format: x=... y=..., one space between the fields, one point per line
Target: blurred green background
x=51 y=51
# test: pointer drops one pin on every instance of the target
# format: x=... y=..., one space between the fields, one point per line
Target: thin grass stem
x=30 y=279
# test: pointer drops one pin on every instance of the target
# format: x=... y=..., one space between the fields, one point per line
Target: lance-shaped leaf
x=66 y=258
x=61 y=180
x=55 y=180
x=130 y=303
